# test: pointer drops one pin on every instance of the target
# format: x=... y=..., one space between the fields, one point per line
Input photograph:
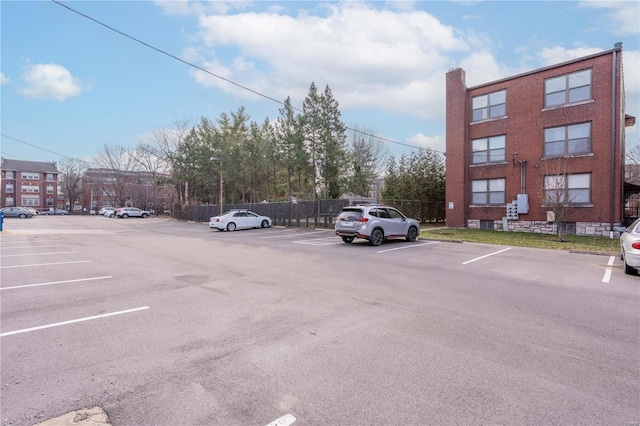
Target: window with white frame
x=488 y=191
x=9 y=201
x=567 y=89
x=49 y=189
x=488 y=150
x=49 y=202
x=8 y=174
x=31 y=188
x=49 y=176
x=567 y=189
x=30 y=175
x=30 y=201
x=492 y=105
x=567 y=140
x=8 y=188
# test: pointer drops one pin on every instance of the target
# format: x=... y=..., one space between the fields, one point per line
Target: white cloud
x=437 y=143
x=397 y=61
x=623 y=16
x=51 y=81
x=558 y=54
x=4 y=79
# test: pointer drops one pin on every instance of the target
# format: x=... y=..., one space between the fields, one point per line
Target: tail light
x=636 y=245
x=217 y=219
x=363 y=220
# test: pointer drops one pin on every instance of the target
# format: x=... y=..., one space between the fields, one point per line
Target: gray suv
x=375 y=224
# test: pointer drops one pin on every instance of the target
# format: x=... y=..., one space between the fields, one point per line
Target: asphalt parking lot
x=163 y=322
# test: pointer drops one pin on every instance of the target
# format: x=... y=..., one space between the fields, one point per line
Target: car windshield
x=350 y=214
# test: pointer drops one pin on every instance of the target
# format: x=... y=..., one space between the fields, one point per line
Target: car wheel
x=628 y=269
x=348 y=240
x=125 y=215
x=412 y=235
x=265 y=223
x=22 y=216
x=144 y=215
x=231 y=227
x=376 y=237
x=112 y=215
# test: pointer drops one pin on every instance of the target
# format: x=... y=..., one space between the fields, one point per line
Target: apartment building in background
x=107 y=188
x=30 y=184
x=517 y=145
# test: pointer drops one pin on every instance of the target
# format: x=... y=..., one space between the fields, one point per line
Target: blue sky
x=70 y=86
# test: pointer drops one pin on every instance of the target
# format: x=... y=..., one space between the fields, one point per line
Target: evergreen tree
x=295 y=158
x=325 y=137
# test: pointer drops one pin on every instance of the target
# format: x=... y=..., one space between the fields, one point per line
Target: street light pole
x=221 y=181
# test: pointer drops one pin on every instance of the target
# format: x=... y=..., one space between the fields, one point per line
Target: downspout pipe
x=613 y=132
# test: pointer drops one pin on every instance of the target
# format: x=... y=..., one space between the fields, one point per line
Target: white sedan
x=239 y=219
x=630 y=248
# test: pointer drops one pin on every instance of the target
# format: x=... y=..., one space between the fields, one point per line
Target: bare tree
x=119 y=162
x=164 y=148
x=156 y=171
x=632 y=165
x=71 y=171
x=558 y=197
x=367 y=155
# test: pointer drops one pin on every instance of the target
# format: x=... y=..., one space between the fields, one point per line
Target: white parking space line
x=44 y=264
x=408 y=247
x=285 y=420
x=285 y=234
x=55 y=282
x=38 y=254
x=57 y=324
x=486 y=255
x=607 y=272
x=31 y=246
x=326 y=241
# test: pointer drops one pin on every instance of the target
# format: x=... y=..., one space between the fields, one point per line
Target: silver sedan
x=16 y=212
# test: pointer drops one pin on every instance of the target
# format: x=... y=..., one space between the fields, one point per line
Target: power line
x=215 y=75
x=42 y=149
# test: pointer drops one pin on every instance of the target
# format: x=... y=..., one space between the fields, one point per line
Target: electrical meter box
x=512 y=211
x=523 y=203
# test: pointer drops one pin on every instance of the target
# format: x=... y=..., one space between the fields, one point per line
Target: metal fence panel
x=319 y=213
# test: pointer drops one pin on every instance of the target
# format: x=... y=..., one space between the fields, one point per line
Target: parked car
x=57 y=212
x=104 y=210
x=20 y=212
x=239 y=219
x=126 y=212
x=375 y=224
x=630 y=248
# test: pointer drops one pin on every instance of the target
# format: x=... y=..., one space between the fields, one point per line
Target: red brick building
x=30 y=184
x=108 y=188
x=556 y=134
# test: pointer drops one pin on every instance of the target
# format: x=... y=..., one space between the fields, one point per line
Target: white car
x=107 y=211
x=126 y=212
x=239 y=219
x=630 y=248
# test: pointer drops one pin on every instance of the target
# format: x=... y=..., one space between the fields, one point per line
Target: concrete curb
x=85 y=417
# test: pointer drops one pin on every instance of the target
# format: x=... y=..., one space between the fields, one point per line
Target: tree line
x=307 y=155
